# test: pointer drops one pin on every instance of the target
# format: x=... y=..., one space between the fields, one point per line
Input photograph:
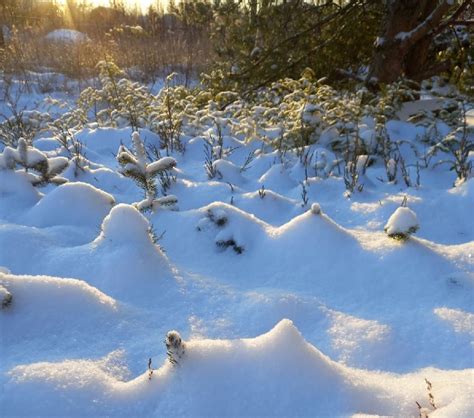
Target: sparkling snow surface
x=285 y=309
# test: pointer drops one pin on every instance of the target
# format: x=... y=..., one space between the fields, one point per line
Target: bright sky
x=143 y=4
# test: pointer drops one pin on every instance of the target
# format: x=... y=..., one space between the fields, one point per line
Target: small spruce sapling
x=175 y=347
x=134 y=164
x=40 y=169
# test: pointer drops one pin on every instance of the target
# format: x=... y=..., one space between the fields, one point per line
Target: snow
x=402 y=222
x=71 y=204
x=283 y=308
x=67 y=36
x=165 y=163
x=125 y=224
x=277 y=372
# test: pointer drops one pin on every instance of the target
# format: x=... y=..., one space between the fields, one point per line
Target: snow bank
x=71 y=204
x=45 y=308
x=275 y=374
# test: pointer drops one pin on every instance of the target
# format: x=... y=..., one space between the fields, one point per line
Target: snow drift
x=275 y=374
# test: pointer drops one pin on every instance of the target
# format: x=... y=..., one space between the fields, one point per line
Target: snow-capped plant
x=425 y=412
x=134 y=164
x=316 y=209
x=175 y=347
x=21 y=124
x=459 y=144
x=40 y=169
x=225 y=243
x=168 y=124
x=402 y=223
x=5 y=297
x=353 y=170
x=218 y=217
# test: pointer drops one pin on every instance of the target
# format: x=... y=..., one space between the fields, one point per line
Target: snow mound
x=71 y=204
x=67 y=36
x=125 y=224
x=402 y=223
x=277 y=178
x=233 y=228
x=274 y=374
x=16 y=192
x=45 y=307
x=103 y=142
x=228 y=171
x=269 y=206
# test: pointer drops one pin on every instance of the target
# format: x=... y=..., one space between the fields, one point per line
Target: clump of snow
x=315 y=209
x=125 y=224
x=5 y=297
x=71 y=204
x=66 y=36
x=175 y=347
x=402 y=223
x=165 y=163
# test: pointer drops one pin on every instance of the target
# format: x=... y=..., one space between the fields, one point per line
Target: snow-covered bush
x=402 y=223
x=175 y=347
x=134 y=164
x=40 y=169
x=459 y=145
x=167 y=122
x=22 y=124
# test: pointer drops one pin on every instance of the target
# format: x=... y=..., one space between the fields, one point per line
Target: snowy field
x=289 y=295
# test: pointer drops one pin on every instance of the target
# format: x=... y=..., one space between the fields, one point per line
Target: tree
x=404 y=47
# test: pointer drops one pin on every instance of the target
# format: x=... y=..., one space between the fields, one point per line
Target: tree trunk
x=406 y=36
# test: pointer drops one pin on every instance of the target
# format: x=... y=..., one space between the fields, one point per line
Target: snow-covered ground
x=288 y=304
